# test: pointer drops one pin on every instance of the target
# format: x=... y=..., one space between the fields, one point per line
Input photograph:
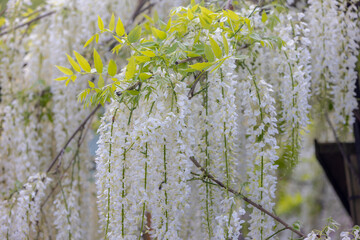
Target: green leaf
x=158 y=33
x=148 y=53
x=65 y=70
x=201 y=66
x=112 y=23
x=73 y=78
x=120 y=30
x=135 y=34
x=190 y=14
x=130 y=69
x=83 y=62
x=101 y=81
x=209 y=53
x=141 y=59
x=97 y=61
x=67 y=82
x=89 y=41
x=215 y=47
x=264 y=16
x=100 y=23
x=133 y=92
x=73 y=63
x=112 y=68
x=144 y=76
x=61 y=78
x=91 y=84
x=226 y=44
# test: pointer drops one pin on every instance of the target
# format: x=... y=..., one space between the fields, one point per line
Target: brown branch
x=254 y=204
x=177 y=62
x=229 y=5
x=192 y=89
x=27 y=23
x=72 y=137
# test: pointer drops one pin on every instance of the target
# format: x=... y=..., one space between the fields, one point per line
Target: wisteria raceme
x=22 y=217
x=260 y=114
x=221 y=89
x=334 y=25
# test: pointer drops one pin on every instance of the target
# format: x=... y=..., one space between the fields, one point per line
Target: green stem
x=109 y=171
x=207 y=165
x=144 y=204
x=166 y=197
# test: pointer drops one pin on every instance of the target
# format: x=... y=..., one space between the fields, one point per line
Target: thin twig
x=177 y=62
x=192 y=89
x=72 y=137
x=27 y=23
x=254 y=204
x=229 y=5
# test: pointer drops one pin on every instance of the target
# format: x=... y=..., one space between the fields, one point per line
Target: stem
x=123 y=194
x=109 y=171
x=239 y=194
x=166 y=197
x=67 y=209
x=275 y=233
x=207 y=164
x=144 y=204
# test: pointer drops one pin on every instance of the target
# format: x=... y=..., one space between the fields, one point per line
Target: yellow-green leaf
x=100 y=23
x=144 y=76
x=168 y=25
x=91 y=84
x=97 y=38
x=141 y=59
x=73 y=78
x=73 y=63
x=65 y=70
x=226 y=44
x=89 y=41
x=148 y=53
x=61 y=78
x=135 y=34
x=67 y=82
x=112 y=23
x=101 y=81
x=232 y=15
x=130 y=69
x=190 y=14
x=97 y=61
x=209 y=53
x=120 y=30
x=83 y=62
x=215 y=47
x=201 y=66
x=133 y=92
x=158 y=33
x=264 y=16
x=112 y=68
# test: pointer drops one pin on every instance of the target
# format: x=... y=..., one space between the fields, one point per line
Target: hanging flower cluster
x=334 y=26
x=207 y=106
x=187 y=97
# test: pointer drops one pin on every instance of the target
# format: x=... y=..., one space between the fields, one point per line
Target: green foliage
x=158 y=45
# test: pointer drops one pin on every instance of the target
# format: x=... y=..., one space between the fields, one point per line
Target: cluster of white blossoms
x=233 y=121
x=21 y=212
x=38 y=115
x=334 y=26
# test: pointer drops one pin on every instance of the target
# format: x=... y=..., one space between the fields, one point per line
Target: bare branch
x=254 y=204
x=27 y=23
x=72 y=137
